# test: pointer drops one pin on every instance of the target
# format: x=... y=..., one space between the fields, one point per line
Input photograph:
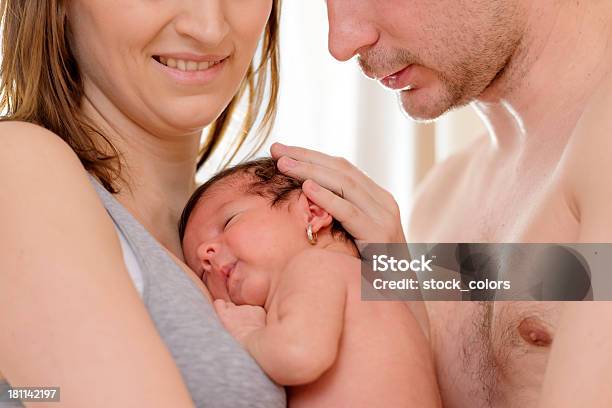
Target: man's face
x=436 y=54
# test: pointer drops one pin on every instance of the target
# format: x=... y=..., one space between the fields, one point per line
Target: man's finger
x=349 y=215
x=313 y=157
x=300 y=153
x=341 y=184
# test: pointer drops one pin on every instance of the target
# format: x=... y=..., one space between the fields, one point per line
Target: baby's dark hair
x=266 y=181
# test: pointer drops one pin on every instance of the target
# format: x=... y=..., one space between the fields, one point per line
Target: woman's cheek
x=249 y=15
x=248 y=20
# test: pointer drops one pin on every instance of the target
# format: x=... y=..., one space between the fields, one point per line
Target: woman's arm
x=299 y=340
x=70 y=314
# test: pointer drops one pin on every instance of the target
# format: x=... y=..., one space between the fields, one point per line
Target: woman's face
x=167 y=65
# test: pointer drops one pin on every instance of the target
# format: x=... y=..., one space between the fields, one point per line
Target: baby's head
x=241 y=228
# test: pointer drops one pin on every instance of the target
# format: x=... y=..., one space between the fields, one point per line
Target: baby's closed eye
x=231 y=220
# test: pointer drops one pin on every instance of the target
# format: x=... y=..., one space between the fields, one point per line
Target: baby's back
x=383 y=359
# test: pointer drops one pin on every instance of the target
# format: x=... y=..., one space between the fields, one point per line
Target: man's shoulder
x=589 y=149
x=443 y=179
x=586 y=165
x=449 y=170
x=596 y=116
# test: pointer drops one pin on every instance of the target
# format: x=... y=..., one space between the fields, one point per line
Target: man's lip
x=399 y=80
x=380 y=76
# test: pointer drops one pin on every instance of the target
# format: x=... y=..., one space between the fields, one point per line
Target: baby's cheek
x=255 y=290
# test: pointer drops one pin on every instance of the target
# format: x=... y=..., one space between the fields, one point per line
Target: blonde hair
x=40 y=83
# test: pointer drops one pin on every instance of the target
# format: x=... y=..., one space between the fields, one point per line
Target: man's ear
x=313 y=214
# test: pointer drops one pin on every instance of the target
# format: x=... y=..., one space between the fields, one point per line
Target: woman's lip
x=193 y=57
x=401 y=80
x=192 y=77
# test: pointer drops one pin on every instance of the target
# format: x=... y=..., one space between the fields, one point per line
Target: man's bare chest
x=504 y=208
x=495 y=354
x=491 y=354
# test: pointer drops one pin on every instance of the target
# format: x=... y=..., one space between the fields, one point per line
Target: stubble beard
x=456 y=85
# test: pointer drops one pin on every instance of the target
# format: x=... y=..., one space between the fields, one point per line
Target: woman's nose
x=350 y=28
x=204 y=21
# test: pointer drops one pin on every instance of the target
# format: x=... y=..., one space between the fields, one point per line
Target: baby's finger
x=220 y=305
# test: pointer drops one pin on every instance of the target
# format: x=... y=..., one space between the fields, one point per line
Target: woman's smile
x=191 y=69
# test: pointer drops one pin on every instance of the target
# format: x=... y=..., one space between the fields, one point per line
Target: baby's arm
x=298 y=340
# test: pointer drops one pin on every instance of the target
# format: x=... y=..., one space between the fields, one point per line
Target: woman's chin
x=189 y=121
x=188 y=111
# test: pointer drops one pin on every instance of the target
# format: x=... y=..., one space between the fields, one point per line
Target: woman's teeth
x=185 y=65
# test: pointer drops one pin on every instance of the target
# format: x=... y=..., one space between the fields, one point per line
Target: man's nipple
x=535 y=332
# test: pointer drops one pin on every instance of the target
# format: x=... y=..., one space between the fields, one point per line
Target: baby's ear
x=319 y=217
x=314 y=215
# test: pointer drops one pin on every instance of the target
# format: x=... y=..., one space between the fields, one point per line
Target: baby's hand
x=241 y=320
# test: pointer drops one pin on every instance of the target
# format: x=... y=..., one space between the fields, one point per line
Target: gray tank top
x=217 y=371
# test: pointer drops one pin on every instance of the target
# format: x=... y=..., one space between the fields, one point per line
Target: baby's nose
x=209 y=255
x=216 y=260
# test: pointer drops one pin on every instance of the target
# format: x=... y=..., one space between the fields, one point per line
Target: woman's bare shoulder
x=16 y=128
x=47 y=196
x=67 y=297
x=30 y=141
x=37 y=166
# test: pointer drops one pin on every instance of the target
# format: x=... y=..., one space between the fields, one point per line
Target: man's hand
x=241 y=321
x=366 y=210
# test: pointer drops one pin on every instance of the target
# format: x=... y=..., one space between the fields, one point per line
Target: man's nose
x=350 y=28
x=204 y=21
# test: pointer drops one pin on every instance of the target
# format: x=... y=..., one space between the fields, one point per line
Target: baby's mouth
x=226 y=273
x=234 y=284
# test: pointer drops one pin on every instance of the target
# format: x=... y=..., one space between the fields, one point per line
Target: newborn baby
x=286 y=281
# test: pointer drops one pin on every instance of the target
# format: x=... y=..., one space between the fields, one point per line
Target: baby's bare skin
x=379 y=355
x=287 y=286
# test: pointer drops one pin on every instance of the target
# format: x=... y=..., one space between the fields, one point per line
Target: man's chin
x=420 y=106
